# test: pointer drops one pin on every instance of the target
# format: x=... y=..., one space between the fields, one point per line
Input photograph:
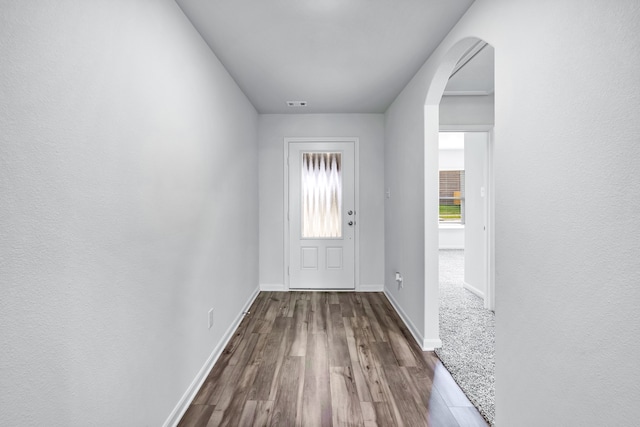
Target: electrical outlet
x=210 y=318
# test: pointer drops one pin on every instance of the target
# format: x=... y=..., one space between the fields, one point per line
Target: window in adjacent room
x=451 y=157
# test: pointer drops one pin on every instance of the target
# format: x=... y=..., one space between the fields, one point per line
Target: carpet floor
x=467 y=331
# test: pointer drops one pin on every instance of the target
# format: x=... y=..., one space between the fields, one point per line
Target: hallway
x=327 y=358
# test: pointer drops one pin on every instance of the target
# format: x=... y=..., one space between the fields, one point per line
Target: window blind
x=452 y=196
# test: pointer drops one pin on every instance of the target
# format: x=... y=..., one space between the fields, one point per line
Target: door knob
x=350 y=223
x=350 y=213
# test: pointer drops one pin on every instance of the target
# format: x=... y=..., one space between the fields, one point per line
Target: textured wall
x=467 y=110
x=128 y=190
x=273 y=129
x=566 y=136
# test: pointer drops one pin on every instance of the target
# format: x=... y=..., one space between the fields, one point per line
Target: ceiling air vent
x=297 y=103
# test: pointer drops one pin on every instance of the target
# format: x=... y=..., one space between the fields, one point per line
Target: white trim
x=356 y=143
x=285 y=210
x=370 y=288
x=273 y=287
x=425 y=344
x=466 y=128
x=450 y=226
x=320 y=290
x=190 y=394
x=430 y=345
x=473 y=289
x=490 y=300
x=489 y=297
x=452 y=247
x=282 y=288
x=467 y=93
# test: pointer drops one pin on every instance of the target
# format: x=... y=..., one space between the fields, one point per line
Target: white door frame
x=489 y=297
x=285 y=210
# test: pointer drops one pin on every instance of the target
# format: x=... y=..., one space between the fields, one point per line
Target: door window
x=321 y=185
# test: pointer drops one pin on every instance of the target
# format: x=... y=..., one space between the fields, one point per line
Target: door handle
x=350 y=213
x=350 y=223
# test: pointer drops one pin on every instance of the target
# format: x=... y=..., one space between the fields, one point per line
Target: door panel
x=309 y=258
x=321 y=215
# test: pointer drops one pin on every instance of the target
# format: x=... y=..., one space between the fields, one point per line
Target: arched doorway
x=455 y=60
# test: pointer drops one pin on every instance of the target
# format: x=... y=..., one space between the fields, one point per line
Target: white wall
x=467 y=110
x=451 y=160
x=129 y=207
x=273 y=128
x=451 y=236
x=475 y=155
x=566 y=134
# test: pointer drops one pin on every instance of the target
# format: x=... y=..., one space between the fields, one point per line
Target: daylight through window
x=452 y=196
x=321 y=195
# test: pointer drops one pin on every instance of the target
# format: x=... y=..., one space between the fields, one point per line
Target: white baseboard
x=430 y=345
x=473 y=289
x=425 y=344
x=371 y=288
x=277 y=287
x=190 y=394
x=272 y=287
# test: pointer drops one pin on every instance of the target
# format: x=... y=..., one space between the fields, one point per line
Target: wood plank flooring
x=327 y=359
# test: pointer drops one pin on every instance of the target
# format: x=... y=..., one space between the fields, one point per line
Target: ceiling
x=340 y=56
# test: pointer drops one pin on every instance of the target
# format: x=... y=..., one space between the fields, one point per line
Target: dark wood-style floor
x=327 y=358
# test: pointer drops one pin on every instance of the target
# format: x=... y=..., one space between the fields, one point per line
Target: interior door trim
x=490 y=292
x=285 y=209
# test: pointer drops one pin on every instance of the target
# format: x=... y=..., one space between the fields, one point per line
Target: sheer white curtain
x=321 y=195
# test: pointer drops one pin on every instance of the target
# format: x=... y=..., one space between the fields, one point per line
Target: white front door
x=322 y=215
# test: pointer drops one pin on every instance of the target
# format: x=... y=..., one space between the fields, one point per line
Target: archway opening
x=459 y=184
